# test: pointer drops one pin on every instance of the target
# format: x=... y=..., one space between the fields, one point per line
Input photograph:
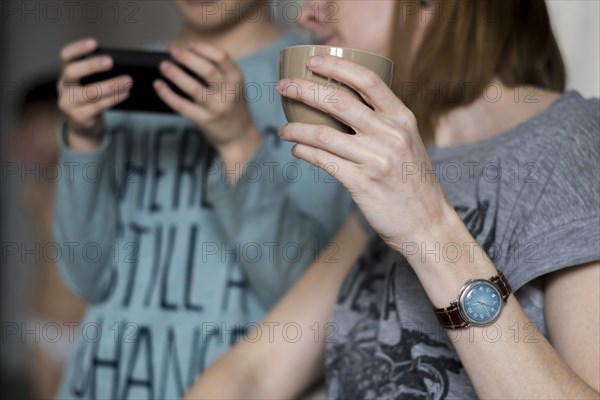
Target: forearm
x=230 y=377
x=80 y=143
x=265 y=365
x=237 y=154
x=513 y=360
x=273 y=233
x=510 y=358
x=85 y=220
x=267 y=221
x=249 y=370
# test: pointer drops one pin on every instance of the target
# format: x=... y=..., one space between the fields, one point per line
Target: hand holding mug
x=372 y=164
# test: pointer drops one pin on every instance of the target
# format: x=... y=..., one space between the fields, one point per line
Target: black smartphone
x=143 y=67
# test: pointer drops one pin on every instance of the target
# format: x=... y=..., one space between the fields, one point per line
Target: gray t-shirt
x=530 y=197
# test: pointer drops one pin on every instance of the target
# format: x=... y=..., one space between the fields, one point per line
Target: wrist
x=445 y=227
x=444 y=256
x=236 y=153
x=82 y=143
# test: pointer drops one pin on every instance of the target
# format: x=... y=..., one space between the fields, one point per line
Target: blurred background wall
x=33 y=31
x=576 y=25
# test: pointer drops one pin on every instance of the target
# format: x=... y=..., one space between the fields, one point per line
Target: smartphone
x=143 y=67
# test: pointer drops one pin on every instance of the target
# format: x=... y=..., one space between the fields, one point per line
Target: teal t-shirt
x=176 y=265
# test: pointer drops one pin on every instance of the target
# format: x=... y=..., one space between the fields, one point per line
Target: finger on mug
x=179 y=104
x=365 y=81
x=78 y=95
x=335 y=166
x=78 y=49
x=76 y=70
x=184 y=81
x=326 y=138
x=329 y=99
x=198 y=64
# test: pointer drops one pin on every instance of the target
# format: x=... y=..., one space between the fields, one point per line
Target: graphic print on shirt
x=123 y=354
x=393 y=351
x=383 y=356
x=475 y=218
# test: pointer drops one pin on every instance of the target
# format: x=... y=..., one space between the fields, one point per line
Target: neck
x=238 y=40
x=500 y=109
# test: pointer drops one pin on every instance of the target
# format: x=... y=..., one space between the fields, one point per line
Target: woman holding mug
x=479 y=175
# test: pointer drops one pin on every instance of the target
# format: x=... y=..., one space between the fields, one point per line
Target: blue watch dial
x=481 y=302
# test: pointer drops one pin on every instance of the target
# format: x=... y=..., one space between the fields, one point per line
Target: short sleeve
x=563 y=229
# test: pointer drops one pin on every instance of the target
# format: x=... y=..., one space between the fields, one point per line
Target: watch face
x=480 y=302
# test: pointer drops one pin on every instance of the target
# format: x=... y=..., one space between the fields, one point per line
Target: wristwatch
x=479 y=303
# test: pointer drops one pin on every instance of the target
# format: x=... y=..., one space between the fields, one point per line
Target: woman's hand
x=84 y=105
x=384 y=166
x=218 y=108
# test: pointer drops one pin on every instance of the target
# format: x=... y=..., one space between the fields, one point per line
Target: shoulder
x=573 y=128
x=564 y=140
x=572 y=124
x=573 y=105
x=562 y=147
x=555 y=213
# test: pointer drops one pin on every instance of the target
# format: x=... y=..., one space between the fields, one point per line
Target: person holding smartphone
x=181 y=230
x=479 y=173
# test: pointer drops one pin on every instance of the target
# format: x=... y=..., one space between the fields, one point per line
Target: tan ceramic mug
x=292 y=63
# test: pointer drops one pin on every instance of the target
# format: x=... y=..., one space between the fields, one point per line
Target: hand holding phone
x=213 y=99
x=143 y=67
x=83 y=105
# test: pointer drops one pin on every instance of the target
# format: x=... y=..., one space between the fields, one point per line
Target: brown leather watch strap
x=450 y=318
x=502 y=284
